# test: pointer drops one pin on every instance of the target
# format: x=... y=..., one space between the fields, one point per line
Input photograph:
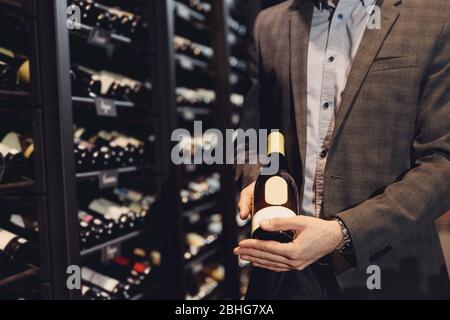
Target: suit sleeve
x=246 y=174
x=423 y=194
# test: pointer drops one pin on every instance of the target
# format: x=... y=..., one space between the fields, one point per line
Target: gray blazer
x=388 y=170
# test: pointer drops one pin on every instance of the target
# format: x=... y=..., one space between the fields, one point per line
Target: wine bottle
x=96 y=226
x=238 y=65
x=200 y=98
x=87 y=82
x=8 y=77
x=118 y=154
x=137 y=202
x=19 y=65
x=118 y=21
x=199 y=6
x=106 y=283
x=24 y=224
x=121 y=268
x=192 y=49
x=122 y=216
x=9 y=160
x=86 y=234
x=13 y=161
x=215 y=225
x=237 y=27
x=89 y=156
x=275 y=195
x=202 y=283
x=134 y=149
x=92 y=293
x=14 y=250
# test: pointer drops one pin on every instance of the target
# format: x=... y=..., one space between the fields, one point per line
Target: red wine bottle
x=14 y=250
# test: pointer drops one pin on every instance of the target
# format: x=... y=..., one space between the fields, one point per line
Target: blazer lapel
x=300 y=22
x=368 y=50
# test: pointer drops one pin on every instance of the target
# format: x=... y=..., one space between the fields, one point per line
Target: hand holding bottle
x=314 y=239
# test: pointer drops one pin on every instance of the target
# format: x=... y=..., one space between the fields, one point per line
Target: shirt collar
x=324 y=3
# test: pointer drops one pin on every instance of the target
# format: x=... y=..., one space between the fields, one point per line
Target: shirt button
x=331 y=59
x=326 y=105
x=323 y=154
x=340 y=16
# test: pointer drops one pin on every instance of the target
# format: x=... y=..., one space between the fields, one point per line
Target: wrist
x=338 y=235
x=345 y=247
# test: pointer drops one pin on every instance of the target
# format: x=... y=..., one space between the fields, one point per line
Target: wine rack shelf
x=184 y=12
x=87 y=30
x=118 y=240
x=91 y=101
x=16 y=99
x=100 y=174
x=28 y=273
x=208 y=252
x=25 y=184
x=59 y=191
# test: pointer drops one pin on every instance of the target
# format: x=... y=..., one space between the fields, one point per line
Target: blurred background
x=91 y=206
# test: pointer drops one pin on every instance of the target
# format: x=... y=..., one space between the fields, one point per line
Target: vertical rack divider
x=54 y=62
x=172 y=211
x=222 y=117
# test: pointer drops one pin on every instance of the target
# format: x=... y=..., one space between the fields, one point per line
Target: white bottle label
x=270 y=213
x=17 y=220
x=104 y=282
x=121 y=142
x=5 y=238
x=108 y=209
x=12 y=140
x=5 y=150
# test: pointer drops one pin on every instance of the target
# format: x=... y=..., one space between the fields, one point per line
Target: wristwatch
x=345 y=248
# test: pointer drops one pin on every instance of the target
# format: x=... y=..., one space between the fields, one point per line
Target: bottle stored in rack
x=104 y=84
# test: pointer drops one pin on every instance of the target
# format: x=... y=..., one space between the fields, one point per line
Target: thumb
x=297 y=223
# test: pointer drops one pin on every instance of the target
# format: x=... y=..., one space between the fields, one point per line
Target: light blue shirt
x=332 y=48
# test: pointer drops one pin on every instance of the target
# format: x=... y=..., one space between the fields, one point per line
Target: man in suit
x=366 y=116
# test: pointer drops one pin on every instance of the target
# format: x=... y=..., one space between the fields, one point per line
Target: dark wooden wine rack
x=52 y=110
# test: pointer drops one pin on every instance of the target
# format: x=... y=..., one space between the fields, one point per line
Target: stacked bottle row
x=239 y=41
x=108 y=148
x=124 y=277
x=201 y=185
x=19 y=243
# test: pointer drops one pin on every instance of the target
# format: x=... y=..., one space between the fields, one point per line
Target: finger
x=277 y=248
x=245 y=204
x=297 y=223
x=268 y=256
x=265 y=262
x=270 y=268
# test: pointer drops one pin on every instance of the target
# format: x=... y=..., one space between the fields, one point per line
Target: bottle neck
x=19 y=63
x=275 y=144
